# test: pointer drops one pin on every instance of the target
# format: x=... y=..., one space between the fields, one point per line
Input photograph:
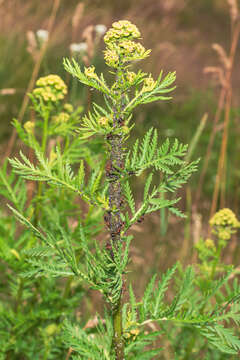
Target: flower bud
x=29 y=126
x=90 y=72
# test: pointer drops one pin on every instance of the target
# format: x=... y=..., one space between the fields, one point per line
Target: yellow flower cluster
x=148 y=84
x=120 y=47
x=130 y=47
x=61 y=118
x=52 y=80
x=122 y=29
x=210 y=244
x=131 y=76
x=51 y=329
x=68 y=107
x=127 y=46
x=50 y=88
x=225 y=217
x=29 y=126
x=90 y=72
x=131 y=328
x=132 y=333
x=224 y=223
x=111 y=57
x=103 y=121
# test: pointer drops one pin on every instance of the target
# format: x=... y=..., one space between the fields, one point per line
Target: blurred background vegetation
x=181 y=34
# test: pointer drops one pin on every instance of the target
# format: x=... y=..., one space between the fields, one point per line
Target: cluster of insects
x=118 y=226
x=113 y=171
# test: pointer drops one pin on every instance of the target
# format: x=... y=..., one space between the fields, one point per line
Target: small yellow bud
x=29 y=126
x=90 y=72
x=111 y=57
x=210 y=244
x=131 y=76
x=103 y=121
x=61 y=118
x=68 y=107
x=51 y=329
x=15 y=253
x=125 y=129
x=135 y=332
x=148 y=84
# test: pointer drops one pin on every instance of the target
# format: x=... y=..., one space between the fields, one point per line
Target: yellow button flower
x=50 y=88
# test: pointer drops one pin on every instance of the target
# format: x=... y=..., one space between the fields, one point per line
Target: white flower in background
x=78 y=48
x=42 y=35
x=100 y=29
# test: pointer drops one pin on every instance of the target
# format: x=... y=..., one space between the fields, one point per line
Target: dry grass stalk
x=216 y=119
x=217 y=72
x=77 y=15
x=224 y=101
x=221 y=162
x=87 y=35
x=76 y=19
x=220 y=179
x=233 y=10
x=222 y=55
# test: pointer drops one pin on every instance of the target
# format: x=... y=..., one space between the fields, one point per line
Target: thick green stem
x=117 y=337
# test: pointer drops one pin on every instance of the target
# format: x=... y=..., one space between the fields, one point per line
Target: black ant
x=141 y=219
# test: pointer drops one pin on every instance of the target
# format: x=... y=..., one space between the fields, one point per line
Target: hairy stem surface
x=115 y=193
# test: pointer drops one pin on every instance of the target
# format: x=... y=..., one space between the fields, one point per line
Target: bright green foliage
x=33 y=301
x=213 y=304
x=59 y=237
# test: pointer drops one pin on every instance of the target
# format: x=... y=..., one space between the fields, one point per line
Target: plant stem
x=117 y=337
x=115 y=223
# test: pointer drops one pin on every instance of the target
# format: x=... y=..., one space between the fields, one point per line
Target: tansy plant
x=216 y=292
x=129 y=328
x=223 y=224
